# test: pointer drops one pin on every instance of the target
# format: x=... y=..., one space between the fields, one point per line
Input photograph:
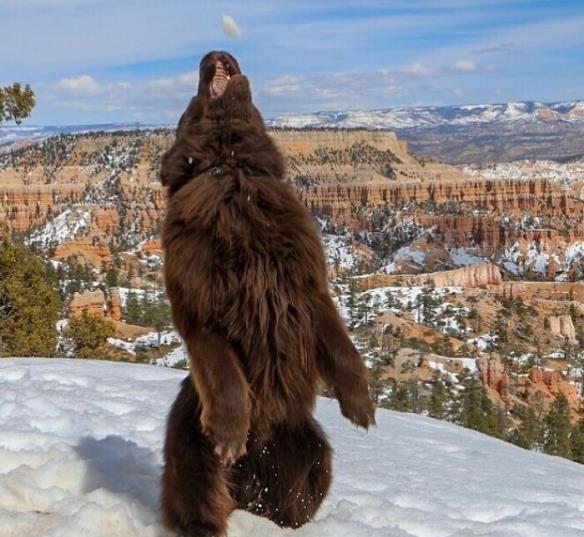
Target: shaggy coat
x=247 y=281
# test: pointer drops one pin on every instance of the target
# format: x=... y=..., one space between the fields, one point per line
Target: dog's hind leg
x=287 y=478
x=196 y=500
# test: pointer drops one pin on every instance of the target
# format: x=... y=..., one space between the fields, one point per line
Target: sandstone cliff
x=473 y=276
x=95 y=303
x=494 y=376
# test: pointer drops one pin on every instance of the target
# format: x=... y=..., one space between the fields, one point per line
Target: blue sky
x=135 y=60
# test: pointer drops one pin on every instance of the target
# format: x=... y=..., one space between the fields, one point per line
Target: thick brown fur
x=247 y=280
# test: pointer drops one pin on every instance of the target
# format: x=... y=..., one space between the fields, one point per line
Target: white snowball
x=230 y=27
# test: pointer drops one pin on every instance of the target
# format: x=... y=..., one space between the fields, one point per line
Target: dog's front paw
x=359 y=409
x=228 y=434
x=229 y=450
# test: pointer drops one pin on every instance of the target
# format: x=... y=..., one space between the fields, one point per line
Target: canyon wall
x=307 y=142
x=342 y=201
x=473 y=276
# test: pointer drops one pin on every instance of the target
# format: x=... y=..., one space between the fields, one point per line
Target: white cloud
x=183 y=81
x=283 y=84
x=158 y=99
x=417 y=69
x=80 y=85
x=464 y=66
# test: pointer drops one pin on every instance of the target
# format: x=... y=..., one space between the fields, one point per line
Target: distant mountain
x=435 y=116
x=469 y=134
x=11 y=136
x=463 y=134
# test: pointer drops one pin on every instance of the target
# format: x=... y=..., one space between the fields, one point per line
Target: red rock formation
x=550 y=384
x=472 y=276
x=544 y=291
x=307 y=142
x=563 y=326
x=94 y=303
x=487 y=232
x=99 y=255
x=340 y=200
x=152 y=247
x=494 y=376
x=114 y=306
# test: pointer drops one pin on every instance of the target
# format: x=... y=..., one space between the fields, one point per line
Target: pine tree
x=29 y=303
x=577 y=440
x=427 y=302
x=351 y=302
x=390 y=300
x=160 y=317
x=528 y=434
x=363 y=308
x=133 y=311
x=16 y=102
x=155 y=312
x=476 y=410
x=89 y=334
x=377 y=384
x=414 y=390
x=112 y=277
x=438 y=399
x=471 y=408
x=558 y=428
x=401 y=398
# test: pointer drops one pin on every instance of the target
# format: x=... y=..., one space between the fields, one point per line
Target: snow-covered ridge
x=12 y=135
x=563 y=173
x=386 y=118
x=82 y=457
x=436 y=116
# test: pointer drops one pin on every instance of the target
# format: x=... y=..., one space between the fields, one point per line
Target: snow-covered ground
x=64 y=227
x=563 y=173
x=80 y=454
x=151 y=339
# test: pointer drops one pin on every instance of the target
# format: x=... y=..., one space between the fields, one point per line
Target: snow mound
x=80 y=454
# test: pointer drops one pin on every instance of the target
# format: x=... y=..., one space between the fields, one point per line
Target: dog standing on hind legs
x=247 y=281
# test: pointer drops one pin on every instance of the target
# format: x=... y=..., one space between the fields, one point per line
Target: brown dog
x=247 y=281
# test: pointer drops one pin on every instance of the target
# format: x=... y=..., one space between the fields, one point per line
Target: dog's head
x=223 y=92
x=216 y=70
x=221 y=111
x=221 y=84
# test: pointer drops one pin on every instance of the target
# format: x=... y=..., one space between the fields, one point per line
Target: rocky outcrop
x=114 y=306
x=549 y=378
x=550 y=384
x=346 y=171
x=474 y=276
x=153 y=247
x=563 y=326
x=95 y=303
x=341 y=201
x=98 y=255
x=487 y=233
x=308 y=142
x=493 y=376
x=90 y=302
x=544 y=291
x=23 y=207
